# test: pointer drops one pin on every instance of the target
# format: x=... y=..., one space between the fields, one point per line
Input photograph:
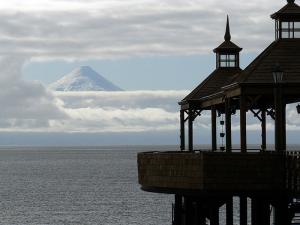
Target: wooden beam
x=243 y=124
x=243 y=210
x=228 y=125
x=182 y=130
x=280 y=120
x=190 y=121
x=214 y=220
x=263 y=130
x=229 y=212
x=283 y=125
x=178 y=210
x=213 y=128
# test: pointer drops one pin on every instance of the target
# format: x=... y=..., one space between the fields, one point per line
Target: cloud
x=24 y=104
x=130 y=111
x=84 y=29
x=110 y=112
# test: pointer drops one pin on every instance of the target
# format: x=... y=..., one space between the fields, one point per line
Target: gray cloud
x=104 y=29
x=24 y=104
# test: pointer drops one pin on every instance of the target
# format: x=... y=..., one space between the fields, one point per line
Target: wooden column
x=280 y=126
x=283 y=125
x=243 y=124
x=178 y=210
x=213 y=128
x=214 y=220
x=190 y=120
x=229 y=212
x=228 y=125
x=200 y=218
x=182 y=130
x=263 y=130
x=260 y=209
x=243 y=210
x=281 y=215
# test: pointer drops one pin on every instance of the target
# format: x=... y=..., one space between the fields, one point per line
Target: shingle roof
x=213 y=83
x=227 y=46
x=285 y=52
x=289 y=10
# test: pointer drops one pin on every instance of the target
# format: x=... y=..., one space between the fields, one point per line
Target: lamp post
x=279 y=109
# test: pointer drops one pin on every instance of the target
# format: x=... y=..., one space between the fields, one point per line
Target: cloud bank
x=24 y=105
x=84 y=29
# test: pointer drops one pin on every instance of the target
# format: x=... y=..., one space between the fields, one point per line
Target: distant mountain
x=83 y=78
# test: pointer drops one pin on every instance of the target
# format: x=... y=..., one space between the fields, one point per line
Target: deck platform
x=219 y=172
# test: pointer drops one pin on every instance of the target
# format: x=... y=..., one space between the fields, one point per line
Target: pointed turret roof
x=227 y=45
x=220 y=77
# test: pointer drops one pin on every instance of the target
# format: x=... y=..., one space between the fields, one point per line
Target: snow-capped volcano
x=83 y=78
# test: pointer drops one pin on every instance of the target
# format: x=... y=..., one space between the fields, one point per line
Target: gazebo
x=203 y=181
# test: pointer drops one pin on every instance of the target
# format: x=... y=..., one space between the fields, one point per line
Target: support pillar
x=228 y=125
x=281 y=215
x=182 y=130
x=178 y=210
x=214 y=220
x=243 y=210
x=243 y=124
x=260 y=209
x=280 y=120
x=190 y=120
x=263 y=130
x=213 y=128
x=229 y=212
x=200 y=214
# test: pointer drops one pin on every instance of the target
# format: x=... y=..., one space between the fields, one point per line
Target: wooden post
x=190 y=120
x=260 y=209
x=280 y=130
x=188 y=210
x=281 y=216
x=228 y=125
x=283 y=125
x=263 y=130
x=178 y=210
x=200 y=218
x=243 y=124
x=229 y=212
x=243 y=210
x=214 y=218
x=182 y=130
x=213 y=128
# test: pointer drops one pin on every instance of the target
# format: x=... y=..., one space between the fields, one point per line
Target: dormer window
x=227 y=60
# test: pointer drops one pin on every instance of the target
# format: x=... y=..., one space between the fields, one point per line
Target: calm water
x=76 y=186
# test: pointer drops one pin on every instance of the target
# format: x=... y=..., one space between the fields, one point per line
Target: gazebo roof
x=220 y=77
x=290 y=10
x=285 y=52
x=213 y=83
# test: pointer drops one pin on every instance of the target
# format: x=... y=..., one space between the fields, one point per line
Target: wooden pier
x=267 y=182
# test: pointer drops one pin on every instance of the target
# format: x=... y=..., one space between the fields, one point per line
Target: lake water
x=98 y=185
x=79 y=186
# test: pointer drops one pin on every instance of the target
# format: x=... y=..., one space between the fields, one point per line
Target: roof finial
x=290 y=1
x=227 y=36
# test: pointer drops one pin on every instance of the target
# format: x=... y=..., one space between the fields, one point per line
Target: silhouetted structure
x=203 y=181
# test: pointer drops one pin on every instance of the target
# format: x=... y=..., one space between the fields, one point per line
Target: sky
x=156 y=50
